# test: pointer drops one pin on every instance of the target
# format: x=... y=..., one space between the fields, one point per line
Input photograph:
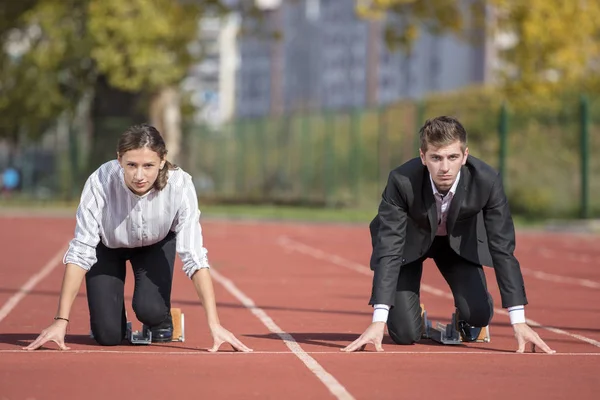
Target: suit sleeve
x=388 y=235
x=501 y=241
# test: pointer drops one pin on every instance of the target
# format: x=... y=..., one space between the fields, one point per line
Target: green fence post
x=585 y=157
x=73 y=162
x=418 y=123
x=263 y=155
x=240 y=147
x=503 y=134
x=221 y=141
x=383 y=147
x=306 y=153
x=355 y=154
x=329 y=162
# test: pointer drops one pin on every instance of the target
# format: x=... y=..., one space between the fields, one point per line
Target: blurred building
x=327 y=58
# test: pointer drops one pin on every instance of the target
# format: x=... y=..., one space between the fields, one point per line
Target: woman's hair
x=145 y=135
x=442 y=131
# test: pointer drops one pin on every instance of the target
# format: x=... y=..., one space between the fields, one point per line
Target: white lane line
x=560 y=279
x=337 y=260
x=571 y=255
x=30 y=284
x=236 y=353
x=328 y=380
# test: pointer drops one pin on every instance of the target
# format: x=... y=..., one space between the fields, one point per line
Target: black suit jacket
x=479 y=225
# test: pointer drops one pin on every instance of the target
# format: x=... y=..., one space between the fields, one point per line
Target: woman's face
x=140 y=168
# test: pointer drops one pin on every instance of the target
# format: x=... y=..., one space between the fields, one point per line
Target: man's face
x=140 y=169
x=444 y=163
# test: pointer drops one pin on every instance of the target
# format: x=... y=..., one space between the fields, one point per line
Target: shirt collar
x=452 y=189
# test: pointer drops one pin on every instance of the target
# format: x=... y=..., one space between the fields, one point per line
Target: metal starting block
x=448 y=333
x=441 y=333
x=145 y=335
x=139 y=337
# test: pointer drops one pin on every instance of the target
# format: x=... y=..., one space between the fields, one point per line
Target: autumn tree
x=127 y=57
x=543 y=45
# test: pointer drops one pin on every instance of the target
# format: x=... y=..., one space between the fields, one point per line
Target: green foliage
x=55 y=50
x=543 y=45
x=42 y=72
x=140 y=45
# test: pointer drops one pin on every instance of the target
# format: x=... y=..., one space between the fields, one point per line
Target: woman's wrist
x=61 y=321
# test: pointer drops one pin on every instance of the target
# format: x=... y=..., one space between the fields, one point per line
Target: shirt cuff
x=381 y=312
x=516 y=314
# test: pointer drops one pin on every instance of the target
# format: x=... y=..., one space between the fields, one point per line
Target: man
x=451 y=207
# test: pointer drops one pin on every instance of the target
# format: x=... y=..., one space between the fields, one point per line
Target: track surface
x=296 y=294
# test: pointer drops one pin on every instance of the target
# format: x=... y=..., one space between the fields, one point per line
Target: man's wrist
x=380 y=312
x=517 y=315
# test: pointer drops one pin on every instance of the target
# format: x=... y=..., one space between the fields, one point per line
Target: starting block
x=139 y=337
x=144 y=336
x=178 y=325
x=449 y=333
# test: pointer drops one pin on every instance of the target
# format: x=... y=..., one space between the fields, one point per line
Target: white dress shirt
x=381 y=311
x=110 y=212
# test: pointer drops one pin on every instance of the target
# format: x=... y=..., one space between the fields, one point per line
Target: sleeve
x=82 y=248
x=501 y=241
x=190 y=246
x=388 y=234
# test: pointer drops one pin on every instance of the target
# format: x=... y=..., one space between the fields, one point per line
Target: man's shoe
x=161 y=335
x=467 y=332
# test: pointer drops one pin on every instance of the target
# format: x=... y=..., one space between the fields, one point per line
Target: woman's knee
x=150 y=314
x=108 y=336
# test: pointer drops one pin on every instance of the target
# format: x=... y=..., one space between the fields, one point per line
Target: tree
x=551 y=44
x=543 y=44
x=59 y=52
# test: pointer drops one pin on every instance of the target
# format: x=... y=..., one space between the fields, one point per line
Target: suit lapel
x=429 y=202
x=458 y=199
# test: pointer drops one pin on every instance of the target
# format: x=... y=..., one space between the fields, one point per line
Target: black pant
x=105 y=283
x=466 y=280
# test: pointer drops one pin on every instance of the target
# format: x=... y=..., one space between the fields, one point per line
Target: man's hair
x=145 y=135
x=442 y=131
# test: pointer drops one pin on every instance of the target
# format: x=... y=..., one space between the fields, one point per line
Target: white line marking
x=328 y=380
x=236 y=353
x=337 y=260
x=560 y=279
x=30 y=284
x=566 y=254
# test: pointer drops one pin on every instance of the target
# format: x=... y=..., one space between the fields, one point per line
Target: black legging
x=466 y=280
x=105 y=283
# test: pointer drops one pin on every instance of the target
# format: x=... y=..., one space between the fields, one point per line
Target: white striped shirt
x=110 y=212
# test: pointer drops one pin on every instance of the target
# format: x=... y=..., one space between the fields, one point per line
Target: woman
x=143 y=209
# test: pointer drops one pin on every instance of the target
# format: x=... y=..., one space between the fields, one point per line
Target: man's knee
x=478 y=315
x=404 y=335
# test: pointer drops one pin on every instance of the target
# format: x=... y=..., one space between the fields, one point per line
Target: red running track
x=296 y=294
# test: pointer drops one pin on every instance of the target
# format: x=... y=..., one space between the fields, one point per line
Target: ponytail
x=163 y=175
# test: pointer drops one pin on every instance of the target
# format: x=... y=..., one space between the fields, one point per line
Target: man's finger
x=542 y=345
x=378 y=346
x=215 y=347
x=354 y=345
x=522 y=343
